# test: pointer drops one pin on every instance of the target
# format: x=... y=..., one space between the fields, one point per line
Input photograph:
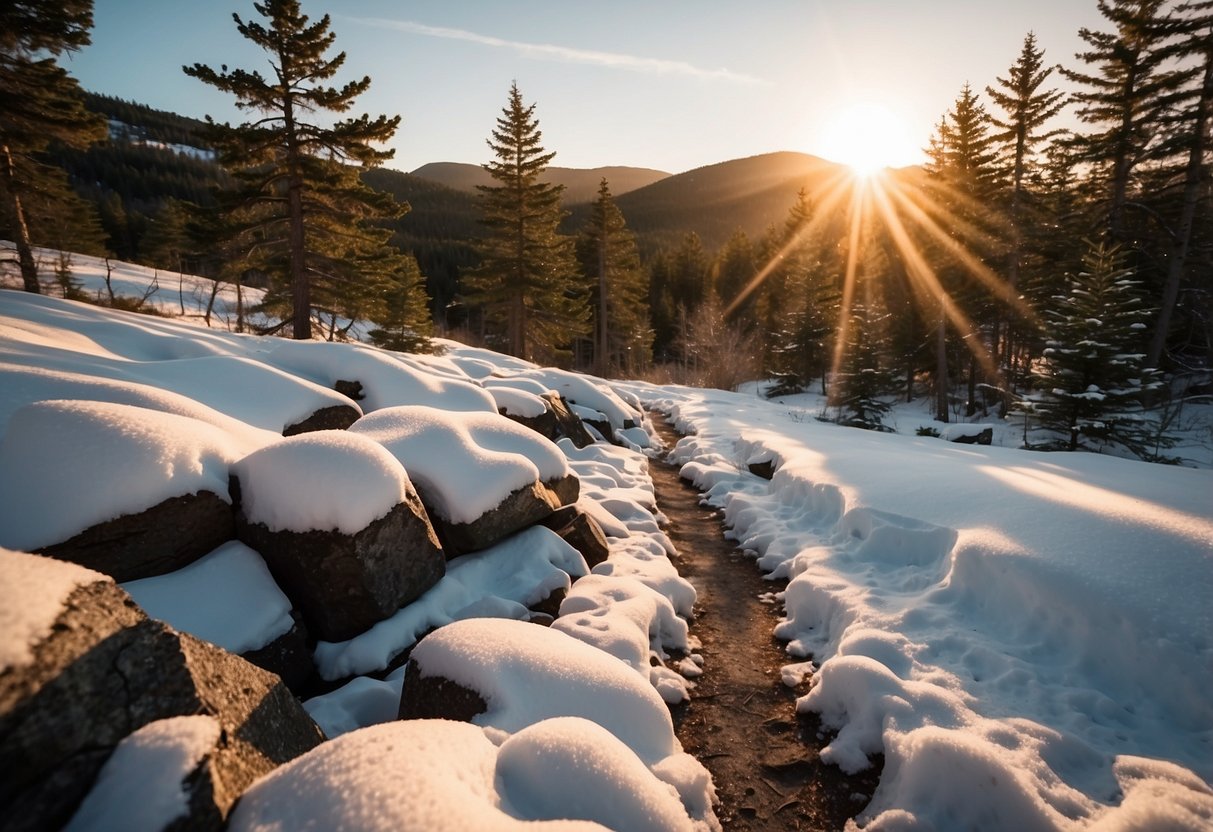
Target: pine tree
x=1091 y=379
x=1127 y=97
x=404 y=317
x=733 y=272
x=963 y=172
x=526 y=282
x=297 y=179
x=619 y=292
x=1190 y=119
x=40 y=103
x=863 y=382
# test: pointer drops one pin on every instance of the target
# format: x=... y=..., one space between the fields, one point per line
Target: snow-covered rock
x=336 y=519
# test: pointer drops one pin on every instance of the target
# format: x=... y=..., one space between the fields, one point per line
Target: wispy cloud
x=553 y=52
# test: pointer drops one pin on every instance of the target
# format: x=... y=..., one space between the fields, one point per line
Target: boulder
x=581 y=531
x=350 y=389
x=765 y=469
x=545 y=424
x=101 y=671
x=345 y=583
x=967 y=434
x=161 y=539
x=523 y=507
x=568 y=422
x=288 y=656
x=337 y=417
x=565 y=489
x=436 y=697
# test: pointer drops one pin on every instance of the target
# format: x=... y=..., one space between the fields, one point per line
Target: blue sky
x=670 y=85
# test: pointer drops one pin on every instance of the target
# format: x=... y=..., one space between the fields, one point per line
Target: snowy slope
x=1027 y=638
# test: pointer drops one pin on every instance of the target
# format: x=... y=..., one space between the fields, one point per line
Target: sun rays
x=923 y=227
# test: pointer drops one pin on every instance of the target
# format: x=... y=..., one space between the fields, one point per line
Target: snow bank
x=571 y=767
x=33 y=590
x=583 y=391
x=69 y=465
x=465 y=463
x=418 y=774
x=517 y=402
x=361 y=702
x=386 y=380
x=323 y=480
x=1024 y=637
x=227 y=597
x=141 y=786
x=502 y=580
x=527 y=673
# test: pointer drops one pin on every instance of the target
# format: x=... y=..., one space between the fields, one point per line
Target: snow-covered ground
x=1027 y=638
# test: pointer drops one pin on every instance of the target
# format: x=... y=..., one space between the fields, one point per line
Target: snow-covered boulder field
x=360 y=523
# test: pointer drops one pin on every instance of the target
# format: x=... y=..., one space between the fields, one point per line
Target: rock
x=288 y=656
x=766 y=469
x=161 y=539
x=566 y=489
x=544 y=425
x=581 y=531
x=435 y=697
x=969 y=434
x=523 y=507
x=549 y=606
x=569 y=423
x=337 y=417
x=103 y=671
x=350 y=389
x=344 y=584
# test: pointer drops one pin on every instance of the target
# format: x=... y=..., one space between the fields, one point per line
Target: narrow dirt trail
x=741 y=720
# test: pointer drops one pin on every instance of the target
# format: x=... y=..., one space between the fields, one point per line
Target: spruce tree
x=526 y=283
x=40 y=103
x=619 y=289
x=1091 y=378
x=403 y=314
x=1125 y=98
x=297 y=178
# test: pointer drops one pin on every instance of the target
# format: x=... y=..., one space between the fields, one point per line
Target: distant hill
x=581 y=184
x=716 y=200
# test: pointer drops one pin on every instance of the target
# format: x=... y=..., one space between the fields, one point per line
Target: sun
x=868 y=137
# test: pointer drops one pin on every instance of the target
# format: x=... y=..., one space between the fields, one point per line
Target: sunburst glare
x=868 y=137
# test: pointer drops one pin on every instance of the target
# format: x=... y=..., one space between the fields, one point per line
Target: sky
x=673 y=86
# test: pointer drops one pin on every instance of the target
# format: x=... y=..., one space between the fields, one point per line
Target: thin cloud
x=552 y=52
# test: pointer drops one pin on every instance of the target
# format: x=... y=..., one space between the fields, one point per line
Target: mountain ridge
x=581 y=184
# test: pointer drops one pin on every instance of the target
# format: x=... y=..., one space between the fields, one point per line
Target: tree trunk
x=941 y=363
x=301 y=302
x=602 y=358
x=25 y=248
x=1183 y=235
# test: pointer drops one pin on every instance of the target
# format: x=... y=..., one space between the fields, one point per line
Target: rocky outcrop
x=568 y=423
x=581 y=531
x=104 y=670
x=566 y=489
x=159 y=540
x=288 y=656
x=337 y=417
x=344 y=584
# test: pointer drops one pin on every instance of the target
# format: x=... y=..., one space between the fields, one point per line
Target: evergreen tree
x=40 y=103
x=526 y=283
x=623 y=338
x=1190 y=121
x=964 y=174
x=863 y=382
x=403 y=317
x=1125 y=99
x=733 y=272
x=297 y=180
x=800 y=302
x=1027 y=108
x=1092 y=377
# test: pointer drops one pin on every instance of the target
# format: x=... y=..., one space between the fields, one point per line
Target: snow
x=33 y=590
x=69 y=465
x=513 y=402
x=465 y=463
x=421 y=774
x=1025 y=638
x=227 y=597
x=501 y=580
x=290 y=485
x=141 y=786
x=387 y=380
x=1012 y=631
